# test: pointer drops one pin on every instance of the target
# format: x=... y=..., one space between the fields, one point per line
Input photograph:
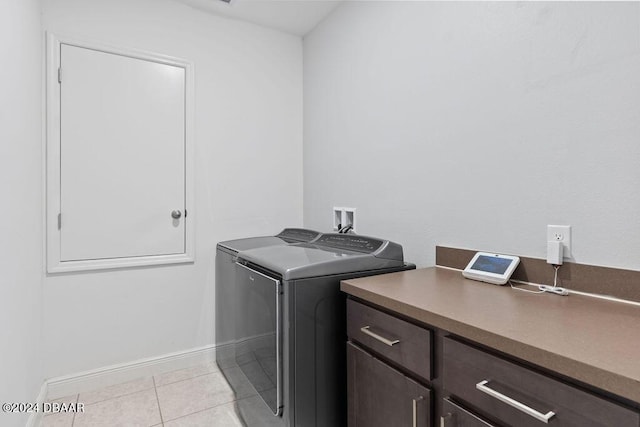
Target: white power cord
x=524 y=290
x=555 y=289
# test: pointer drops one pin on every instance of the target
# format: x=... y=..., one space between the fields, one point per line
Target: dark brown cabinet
x=380 y=396
x=454 y=415
x=402 y=373
x=404 y=343
x=518 y=396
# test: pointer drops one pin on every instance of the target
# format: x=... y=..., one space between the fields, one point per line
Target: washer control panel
x=298 y=234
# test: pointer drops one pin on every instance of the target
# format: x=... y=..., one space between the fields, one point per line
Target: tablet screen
x=491 y=264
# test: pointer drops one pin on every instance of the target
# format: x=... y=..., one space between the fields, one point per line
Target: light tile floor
x=197 y=396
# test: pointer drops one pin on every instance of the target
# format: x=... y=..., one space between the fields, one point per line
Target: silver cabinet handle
x=444 y=420
x=482 y=386
x=176 y=214
x=365 y=330
x=415 y=410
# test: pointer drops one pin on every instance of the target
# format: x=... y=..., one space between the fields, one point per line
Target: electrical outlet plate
x=561 y=233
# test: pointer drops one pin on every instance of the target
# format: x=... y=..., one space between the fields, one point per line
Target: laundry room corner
x=95 y=319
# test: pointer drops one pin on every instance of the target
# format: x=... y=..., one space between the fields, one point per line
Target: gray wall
x=477 y=124
x=248 y=144
x=21 y=238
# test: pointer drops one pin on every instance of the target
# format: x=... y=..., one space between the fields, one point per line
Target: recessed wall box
x=491 y=268
x=343 y=217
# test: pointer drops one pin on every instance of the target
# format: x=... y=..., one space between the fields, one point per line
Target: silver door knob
x=176 y=214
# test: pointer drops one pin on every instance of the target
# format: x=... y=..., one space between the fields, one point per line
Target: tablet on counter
x=491 y=268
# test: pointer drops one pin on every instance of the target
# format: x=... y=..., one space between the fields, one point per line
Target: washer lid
x=286 y=236
x=329 y=254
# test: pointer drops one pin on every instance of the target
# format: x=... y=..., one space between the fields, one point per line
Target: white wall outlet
x=560 y=233
x=343 y=217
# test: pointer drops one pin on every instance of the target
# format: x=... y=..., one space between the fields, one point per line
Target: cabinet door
x=380 y=396
x=122 y=156
x=119 y=157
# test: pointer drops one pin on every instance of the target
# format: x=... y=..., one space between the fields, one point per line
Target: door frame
x=52 y=159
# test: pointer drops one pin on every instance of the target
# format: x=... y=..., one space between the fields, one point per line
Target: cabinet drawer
x=456 y=416
x=402 y=342
x=380 y=396
x=517 y=396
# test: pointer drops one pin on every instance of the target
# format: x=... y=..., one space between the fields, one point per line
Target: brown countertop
x=588 y=339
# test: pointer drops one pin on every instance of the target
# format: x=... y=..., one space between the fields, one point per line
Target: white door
x=122 y=156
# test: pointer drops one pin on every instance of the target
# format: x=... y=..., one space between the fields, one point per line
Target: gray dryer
x=226 y=302
x=290 y=296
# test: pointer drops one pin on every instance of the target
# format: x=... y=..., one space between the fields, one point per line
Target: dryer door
x=259 y=333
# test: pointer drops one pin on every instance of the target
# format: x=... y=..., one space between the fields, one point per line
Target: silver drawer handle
x=365 y=330
x=415 y=410
x=482 y=386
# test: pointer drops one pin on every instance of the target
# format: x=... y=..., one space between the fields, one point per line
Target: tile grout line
x=116 y=397
x=73 y=420
x=203 y=410
x=155 y=386
x=155 y=390
x=190 y=378
x=217 y=371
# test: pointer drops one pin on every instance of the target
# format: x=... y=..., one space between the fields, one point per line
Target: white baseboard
x=225 y=350
x=36 y=417
x=109 y=375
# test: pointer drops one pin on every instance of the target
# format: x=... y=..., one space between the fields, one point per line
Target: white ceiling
x=292 y=16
